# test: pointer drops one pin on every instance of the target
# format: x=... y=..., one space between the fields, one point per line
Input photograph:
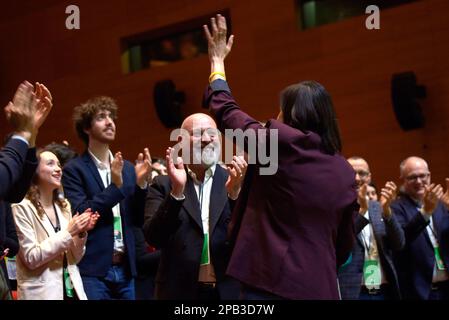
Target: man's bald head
x=412 y=163
x=203 y=141
x=415 y=174
x=199 y=121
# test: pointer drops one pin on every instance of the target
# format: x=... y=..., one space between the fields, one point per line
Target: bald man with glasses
x=370 y=273
x=422 y=211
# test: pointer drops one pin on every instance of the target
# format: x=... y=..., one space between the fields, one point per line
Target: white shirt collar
x=208 y=174
x=100 y=165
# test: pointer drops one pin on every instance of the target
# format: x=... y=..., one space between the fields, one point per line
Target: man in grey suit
x=370 y=274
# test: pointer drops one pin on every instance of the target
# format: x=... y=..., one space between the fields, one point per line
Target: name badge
x=371 y=274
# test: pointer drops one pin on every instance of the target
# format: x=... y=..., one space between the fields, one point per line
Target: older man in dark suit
x=422 y=211
x=187 y=214
x=370 y=274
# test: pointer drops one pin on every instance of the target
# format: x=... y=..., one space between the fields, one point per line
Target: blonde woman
x=51 y=241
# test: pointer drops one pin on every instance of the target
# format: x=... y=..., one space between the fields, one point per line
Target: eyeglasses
x=362 y=173
x=415 y=177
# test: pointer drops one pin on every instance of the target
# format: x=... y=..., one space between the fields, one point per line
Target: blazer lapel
x=191 y=203
x=94 y=170
x=64 y=217
x=218 y=198
x=43 y=220
x=414 y=208
x=359 y=239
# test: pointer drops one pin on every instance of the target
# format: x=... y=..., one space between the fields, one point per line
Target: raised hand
x=20 y=111
x=43 y=104
x=176 y=173
x=218 y=47
x=387 y=195
x=116 y=170
x=432 y=194
x=236 y=172
x=143 y=167
x=362 y=199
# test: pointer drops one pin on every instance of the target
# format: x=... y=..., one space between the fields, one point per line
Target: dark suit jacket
x=17 y=166
x=17 y=191
x=8 y=235
x=389 y=236
x=298 y=224
x=146 y=265
x=84 y=189
x=176 y=228
x=416 y=262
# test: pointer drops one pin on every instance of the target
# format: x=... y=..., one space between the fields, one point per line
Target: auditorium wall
x=270 y=52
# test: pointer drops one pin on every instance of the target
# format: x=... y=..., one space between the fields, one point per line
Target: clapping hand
x=236 y=172
x=176 y=173
x=143 y=167
x=387 y=195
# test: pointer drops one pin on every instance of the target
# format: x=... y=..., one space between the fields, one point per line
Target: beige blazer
x=40 y=257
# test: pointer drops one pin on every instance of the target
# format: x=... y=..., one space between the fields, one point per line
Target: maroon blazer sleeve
x=346 y=233
x=225 y=110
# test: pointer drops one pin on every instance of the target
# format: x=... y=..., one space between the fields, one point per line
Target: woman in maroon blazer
x=294 y=226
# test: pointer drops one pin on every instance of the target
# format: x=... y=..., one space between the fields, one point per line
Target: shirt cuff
x=176 y=198
x=219 y=85
x=16 y=136
x=145 y=185
x=233 y=198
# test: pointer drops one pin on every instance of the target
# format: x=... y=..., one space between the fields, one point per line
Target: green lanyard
x=436 y=252
x=68 y=286
x=371 y=268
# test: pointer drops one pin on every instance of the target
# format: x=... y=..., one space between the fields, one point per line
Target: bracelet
x=82 y=234
x=216 y=73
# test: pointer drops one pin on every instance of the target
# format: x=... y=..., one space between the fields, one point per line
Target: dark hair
x=84 y=113
x=159 y=160
x=307 y=106
x=33 y=193
x=63 y=152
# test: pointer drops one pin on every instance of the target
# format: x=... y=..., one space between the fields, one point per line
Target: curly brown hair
x=85 y=112
x=33 y=193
